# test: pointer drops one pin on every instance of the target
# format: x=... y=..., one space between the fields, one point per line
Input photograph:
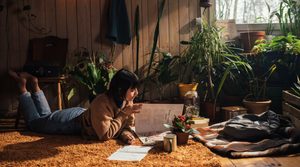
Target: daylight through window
x=246 y=11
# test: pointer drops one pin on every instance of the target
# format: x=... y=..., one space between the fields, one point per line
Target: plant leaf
x=156 y=33
x=71 y=94
x=80 y=76
x=169 y=126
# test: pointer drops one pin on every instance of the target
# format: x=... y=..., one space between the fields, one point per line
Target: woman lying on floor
x=109 y=116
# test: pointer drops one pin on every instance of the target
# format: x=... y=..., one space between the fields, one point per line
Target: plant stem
x=265 y=82
x=156 y=33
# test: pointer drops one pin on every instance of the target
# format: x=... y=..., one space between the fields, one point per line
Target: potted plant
x=181 y=126
x=162 y=73
x=289 y=17
x=214 y=64
x=282 y=51
x=270 y=27
x=249 y=38
x=256 y=101
x=90 y=69
x=187 y=65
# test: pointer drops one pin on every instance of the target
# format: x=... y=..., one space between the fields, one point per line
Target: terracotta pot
x=249 y=38
x=257 y=107
x=209 y=109
x=182 y=138
x=183 y=88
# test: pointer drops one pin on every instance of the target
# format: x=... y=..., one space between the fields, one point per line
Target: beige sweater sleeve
x=103 y=119
x=127 y=129
x=106 y=126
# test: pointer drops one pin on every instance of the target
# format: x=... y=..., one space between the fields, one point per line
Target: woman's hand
x=131 y=109
x=129 y=139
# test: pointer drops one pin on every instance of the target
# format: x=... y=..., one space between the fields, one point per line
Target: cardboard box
x=233 y=111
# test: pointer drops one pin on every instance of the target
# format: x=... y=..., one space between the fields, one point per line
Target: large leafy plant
x=212 y=60
x=92 y=70
x=162 y=71
x=289 y=45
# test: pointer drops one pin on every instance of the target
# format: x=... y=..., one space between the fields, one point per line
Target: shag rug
x=33 y=149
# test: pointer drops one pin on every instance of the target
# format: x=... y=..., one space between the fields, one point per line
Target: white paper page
x=150 y=138
x=130 y=153
x=153 y=117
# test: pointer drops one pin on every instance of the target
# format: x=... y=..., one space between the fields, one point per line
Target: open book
x=149 y=124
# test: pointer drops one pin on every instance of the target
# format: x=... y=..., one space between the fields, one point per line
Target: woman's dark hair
x=123 y=79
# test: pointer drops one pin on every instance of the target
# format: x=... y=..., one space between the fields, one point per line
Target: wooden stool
x=60 y=88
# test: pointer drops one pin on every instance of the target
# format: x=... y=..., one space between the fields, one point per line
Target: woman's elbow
x=106 y=137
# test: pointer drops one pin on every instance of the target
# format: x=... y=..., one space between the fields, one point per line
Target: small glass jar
x=191 y=107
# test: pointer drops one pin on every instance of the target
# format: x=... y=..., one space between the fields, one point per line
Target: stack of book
x=199 y=122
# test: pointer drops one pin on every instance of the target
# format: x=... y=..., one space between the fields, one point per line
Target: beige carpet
x=33 y=149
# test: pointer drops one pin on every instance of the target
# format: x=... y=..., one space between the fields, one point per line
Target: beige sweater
x=104 y=120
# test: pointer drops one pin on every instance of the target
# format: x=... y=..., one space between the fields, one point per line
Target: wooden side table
x=60 y=87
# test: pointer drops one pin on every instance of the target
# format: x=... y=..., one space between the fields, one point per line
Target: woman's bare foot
x=20 y=81
x=32 y=80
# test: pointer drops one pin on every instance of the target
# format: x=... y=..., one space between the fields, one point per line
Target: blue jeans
x=39 y=118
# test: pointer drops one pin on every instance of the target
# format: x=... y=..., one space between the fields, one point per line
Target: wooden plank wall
x=84 y=22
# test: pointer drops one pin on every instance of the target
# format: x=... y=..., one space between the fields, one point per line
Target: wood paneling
x=174 y=34
x=84 y=23
x=50 y=22
x=73 y=41
x=144 y=38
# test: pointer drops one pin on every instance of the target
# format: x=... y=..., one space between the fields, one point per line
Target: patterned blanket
x=286 y=140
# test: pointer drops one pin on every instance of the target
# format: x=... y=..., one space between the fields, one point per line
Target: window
x=246 y=11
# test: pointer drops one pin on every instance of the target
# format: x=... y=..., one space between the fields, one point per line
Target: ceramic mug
x=170 y=143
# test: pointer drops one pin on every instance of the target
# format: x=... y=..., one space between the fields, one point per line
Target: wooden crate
x=291 y=107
